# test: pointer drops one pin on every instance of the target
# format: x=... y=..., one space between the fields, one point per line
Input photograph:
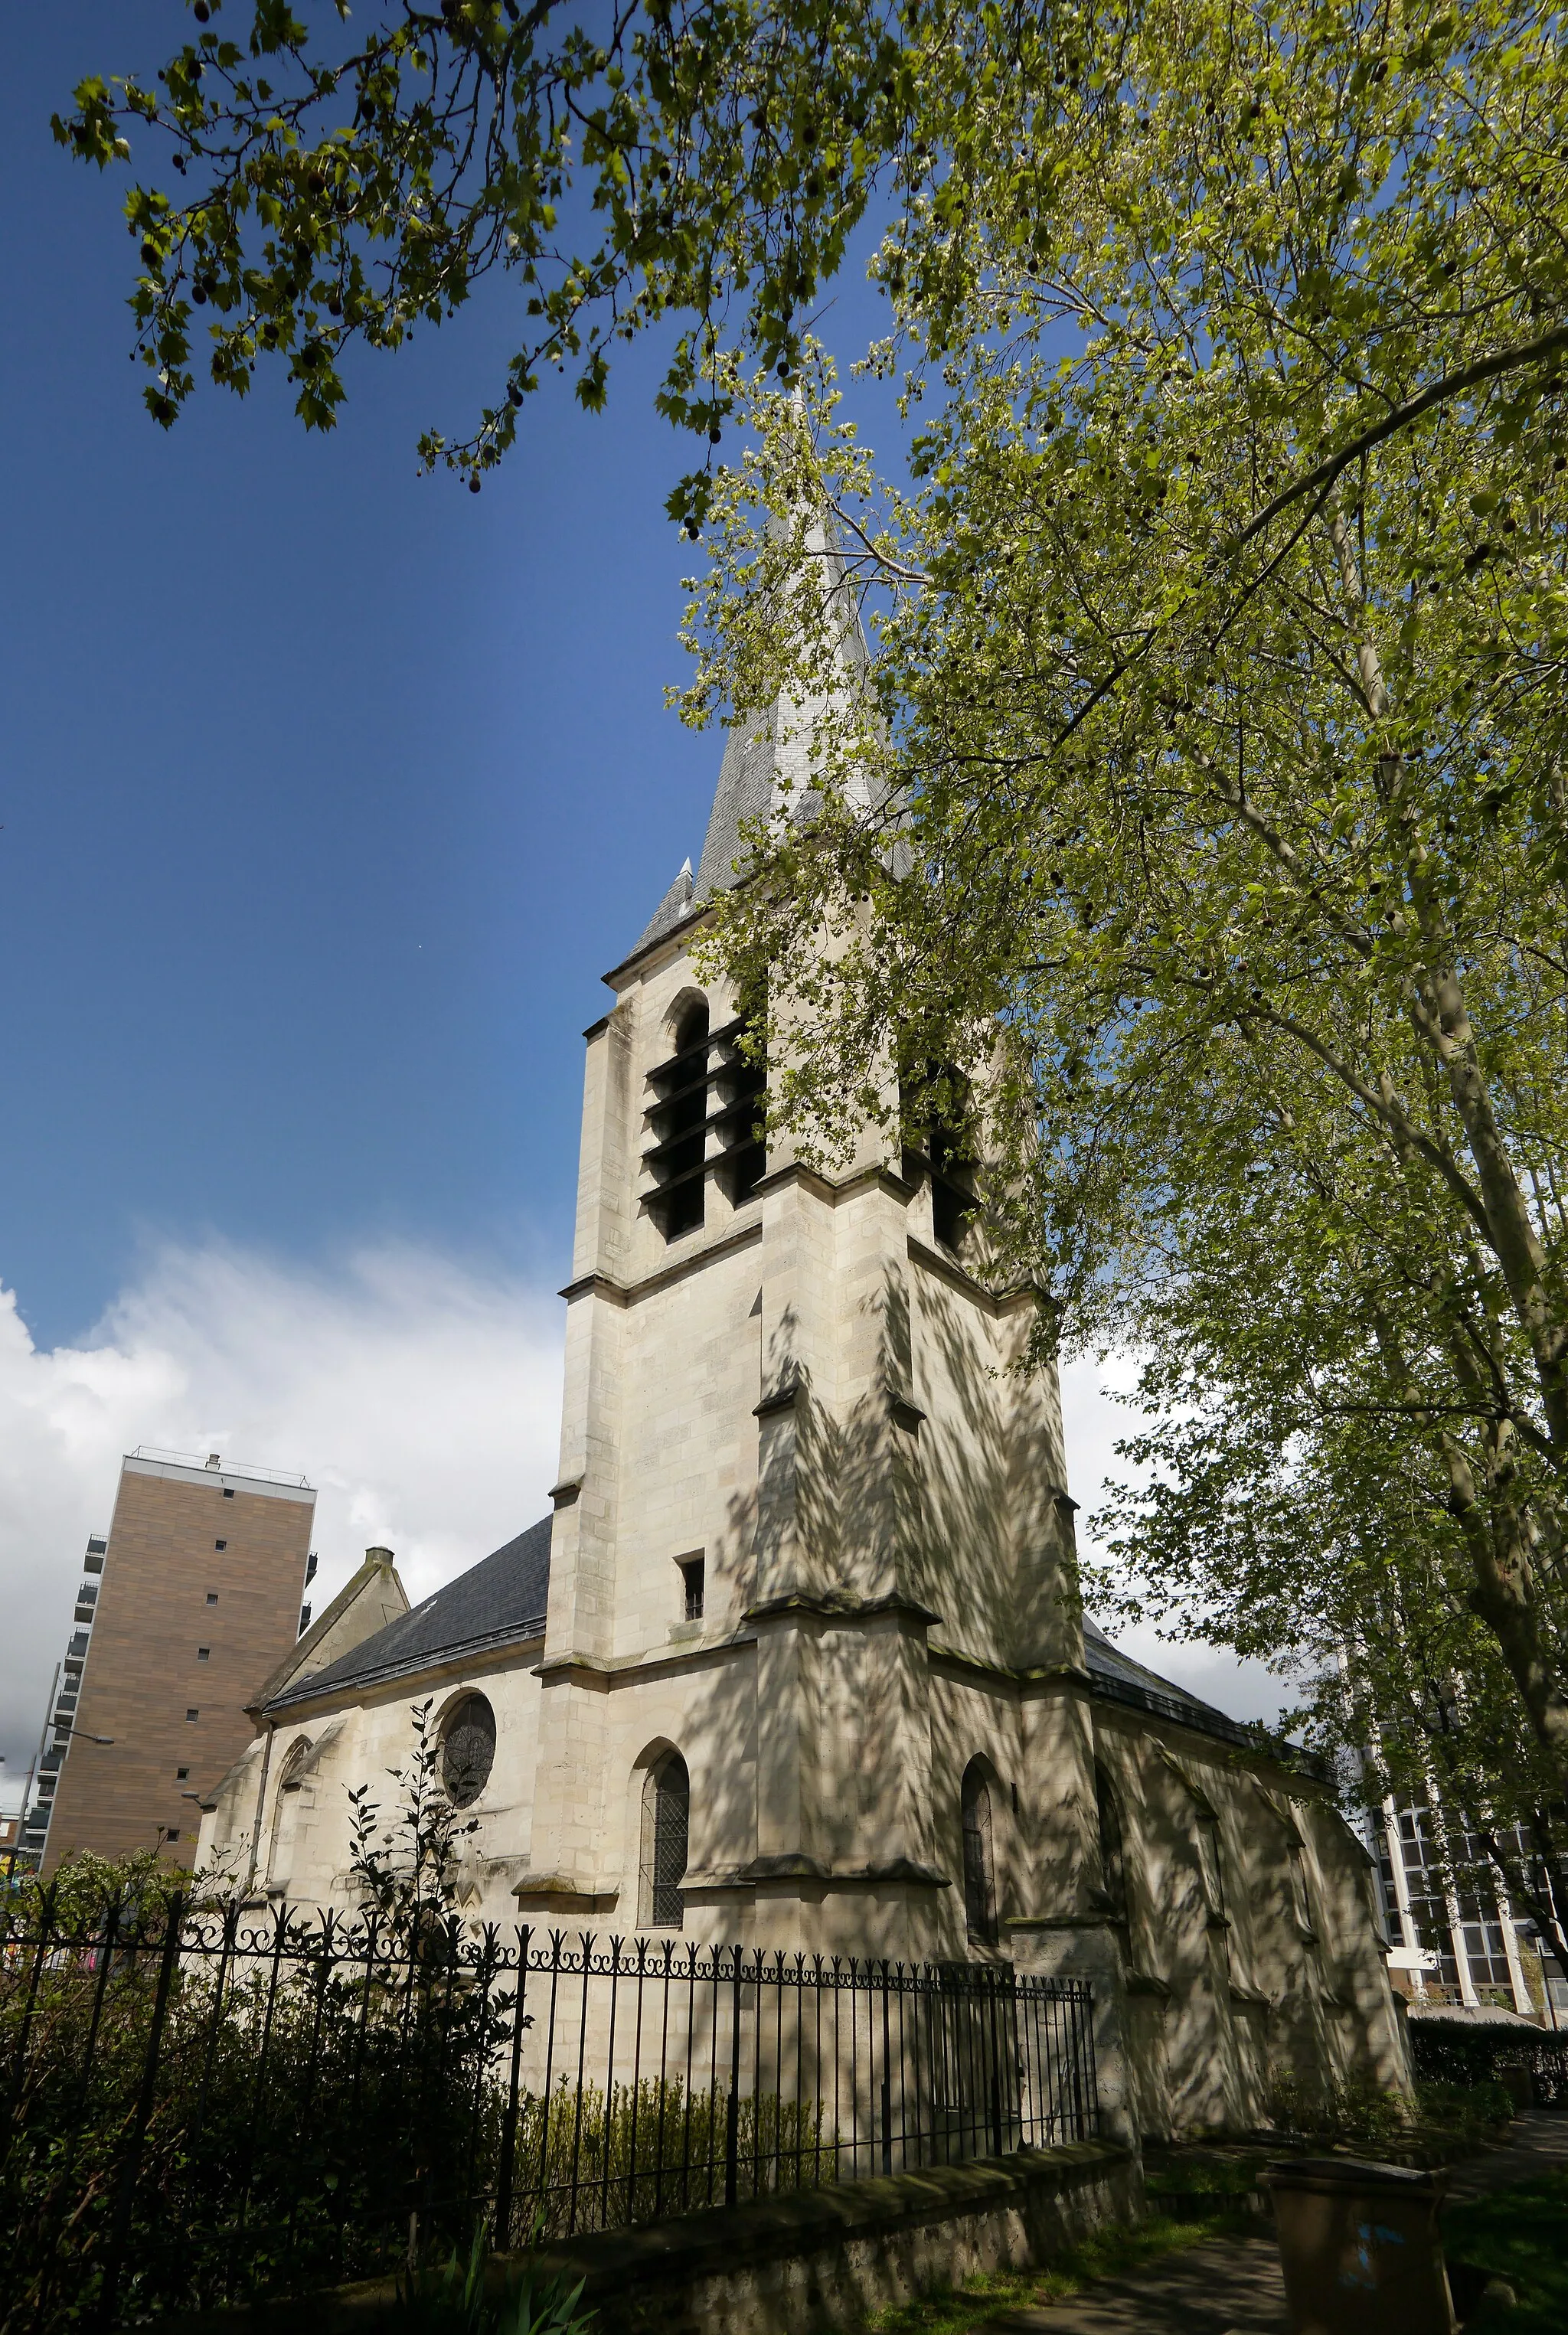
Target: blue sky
x=329 y=791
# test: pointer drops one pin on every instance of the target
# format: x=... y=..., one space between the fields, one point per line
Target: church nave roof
x=501 y=1598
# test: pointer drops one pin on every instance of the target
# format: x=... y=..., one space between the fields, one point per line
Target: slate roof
x=499 y=1598
x=1121 y=1680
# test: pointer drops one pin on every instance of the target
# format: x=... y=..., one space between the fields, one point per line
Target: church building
x=798 y=1659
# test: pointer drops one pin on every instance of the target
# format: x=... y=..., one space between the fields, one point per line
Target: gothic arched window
x=979 y=1856
x=666 y=1820
x=1112 y=1851
x=468 y=1750
x=285 y=1812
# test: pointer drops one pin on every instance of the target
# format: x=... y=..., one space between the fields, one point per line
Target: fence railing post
x=732 y=2108
x=125 y=2199
x=887 y=2079
x=505 y=2176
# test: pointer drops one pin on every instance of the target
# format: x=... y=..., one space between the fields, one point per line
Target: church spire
x=767 y=762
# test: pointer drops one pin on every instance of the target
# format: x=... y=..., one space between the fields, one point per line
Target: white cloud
x=1093 y=1423
x=421 y=1396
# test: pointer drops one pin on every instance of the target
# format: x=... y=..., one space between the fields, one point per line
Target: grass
x=1520 y=2234
x=1106 y=2253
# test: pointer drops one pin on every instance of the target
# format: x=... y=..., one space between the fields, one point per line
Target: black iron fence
x=209 y=2107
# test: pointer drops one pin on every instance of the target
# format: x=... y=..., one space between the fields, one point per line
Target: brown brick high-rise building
x=197 y=1601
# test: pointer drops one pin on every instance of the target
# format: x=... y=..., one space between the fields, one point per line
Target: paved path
x=1232 y=2286
x=1537 y=2144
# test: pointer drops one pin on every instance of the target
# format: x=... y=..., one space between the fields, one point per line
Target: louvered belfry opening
x=707 y=1086
x=934 y=1106
x=666 y=1822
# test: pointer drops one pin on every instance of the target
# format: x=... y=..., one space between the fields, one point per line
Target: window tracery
x=468 y=1750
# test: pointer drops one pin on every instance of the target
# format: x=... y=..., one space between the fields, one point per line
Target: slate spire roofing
x=761 y=753
x=500 y=1600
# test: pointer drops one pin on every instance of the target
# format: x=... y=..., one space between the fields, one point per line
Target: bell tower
x=811 y=1543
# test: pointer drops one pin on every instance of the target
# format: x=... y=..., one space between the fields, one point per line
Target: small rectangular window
x=212 y=1596
x=172 y=1833
x=227 y=1493
x=204 y=1653
x=193 y=1714
x=180 y=1774
x=220 y=1543
x=693 y=1577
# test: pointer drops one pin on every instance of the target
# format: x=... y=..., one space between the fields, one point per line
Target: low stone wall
x=818 y=2259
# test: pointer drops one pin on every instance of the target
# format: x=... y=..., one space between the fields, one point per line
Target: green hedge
x=1448 y=2052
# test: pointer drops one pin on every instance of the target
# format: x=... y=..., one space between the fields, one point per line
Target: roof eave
x=319 y=1688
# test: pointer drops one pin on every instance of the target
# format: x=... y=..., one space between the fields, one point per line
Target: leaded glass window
x=666 y=1821
x=468 y=1750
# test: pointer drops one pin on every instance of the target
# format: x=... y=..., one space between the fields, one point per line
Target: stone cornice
x=559 y=1893
x=1066 y=1674
x=631 y=1292
x=827 y=1606
x=600 y=1673
x=833 y=1194
x=996 y=1302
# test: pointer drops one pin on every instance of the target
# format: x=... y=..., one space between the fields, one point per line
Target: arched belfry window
x=979 y=1855
x=1112 y=1850
x=666 y=1822
x=709 y=1085
x=935 y=1109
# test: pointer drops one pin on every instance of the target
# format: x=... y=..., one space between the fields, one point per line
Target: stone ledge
x=689 y=2248
x=703 y=2244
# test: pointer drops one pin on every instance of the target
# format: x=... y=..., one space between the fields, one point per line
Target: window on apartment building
x=220 y=1543
x=172 y=1833
x=204 y=1653
x=666 y=1825
x=193 y=1714
x=979 y=1855
x=212 y=1596
x=693 y=1571
x=227 y=1493
x=180 y=1774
